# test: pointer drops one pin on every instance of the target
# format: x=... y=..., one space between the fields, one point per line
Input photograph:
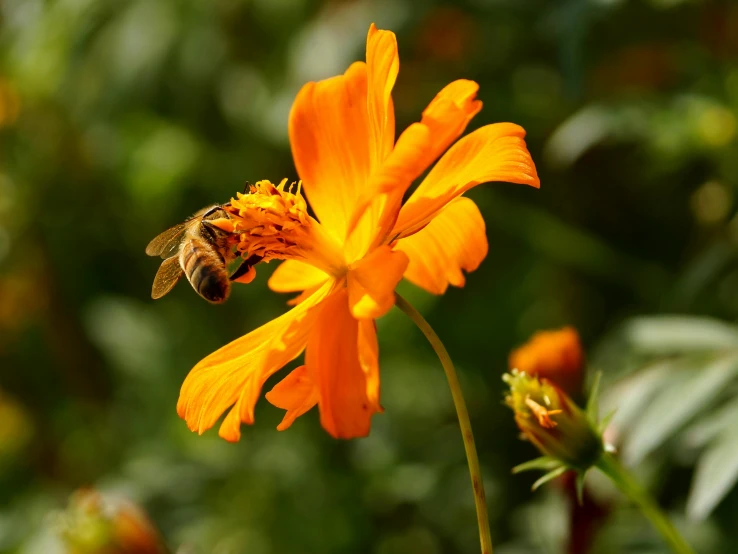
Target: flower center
x=272 y=222
x=542 y=414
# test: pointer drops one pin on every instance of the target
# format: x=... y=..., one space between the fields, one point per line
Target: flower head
x=553 y=355
x=346 y=262
x=272 y=223
x=552 y=421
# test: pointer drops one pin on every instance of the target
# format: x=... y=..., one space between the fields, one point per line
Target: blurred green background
x=119 y=118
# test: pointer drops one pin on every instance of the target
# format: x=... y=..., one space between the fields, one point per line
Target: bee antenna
x=246 y=187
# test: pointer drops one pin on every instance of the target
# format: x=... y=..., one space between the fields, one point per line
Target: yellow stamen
x=541 y=413
x=272 y=222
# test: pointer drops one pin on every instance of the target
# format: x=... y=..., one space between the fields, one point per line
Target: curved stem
x=630 y=487
x=485 y=537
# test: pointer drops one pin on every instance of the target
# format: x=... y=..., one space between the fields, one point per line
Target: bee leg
x=244 y=274
x=253 y=260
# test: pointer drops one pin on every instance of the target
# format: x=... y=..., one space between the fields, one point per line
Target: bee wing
x=166 y=243
x=169 y=273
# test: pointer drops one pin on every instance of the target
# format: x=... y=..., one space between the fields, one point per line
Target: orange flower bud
x=553 y=355
x=551 y=420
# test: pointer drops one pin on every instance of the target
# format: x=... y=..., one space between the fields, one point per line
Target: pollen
x=542 y=414
x=272 y=221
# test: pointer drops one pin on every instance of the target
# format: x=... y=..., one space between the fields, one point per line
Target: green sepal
x=606 y=420
x=549 y=476
x=544 y=463
x=592 y=402
x=580 y=486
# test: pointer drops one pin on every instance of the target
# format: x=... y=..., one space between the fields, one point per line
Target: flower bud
x=552 y=421
x=90 y=525
x=553 y=355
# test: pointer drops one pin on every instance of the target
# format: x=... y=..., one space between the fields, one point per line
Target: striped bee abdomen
x=205 y=269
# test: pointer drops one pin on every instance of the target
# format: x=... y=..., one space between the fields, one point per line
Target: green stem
x=485 y=537
x=630 y=487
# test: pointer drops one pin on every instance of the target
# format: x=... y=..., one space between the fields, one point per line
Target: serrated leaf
x=683 y=396
x=680 y=334
x=715 y=475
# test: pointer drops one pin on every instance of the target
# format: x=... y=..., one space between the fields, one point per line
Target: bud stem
x=485 y=537
x=624 y=480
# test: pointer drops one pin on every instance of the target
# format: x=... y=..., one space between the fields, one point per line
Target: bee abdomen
x=205 y=270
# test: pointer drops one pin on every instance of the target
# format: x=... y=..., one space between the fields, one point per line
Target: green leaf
x=715 y=475
x=674 y=334
x=684 y=395
x=631 y=395
x=711 y=425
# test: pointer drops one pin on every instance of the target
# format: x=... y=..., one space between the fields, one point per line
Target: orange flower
x=554 y=355
x=347 y=262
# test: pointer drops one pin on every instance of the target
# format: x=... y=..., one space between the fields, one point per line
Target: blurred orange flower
x=553 y=355
x=347 y=262
x=93 y=524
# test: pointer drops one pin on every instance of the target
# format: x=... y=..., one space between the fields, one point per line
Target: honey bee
x=201 y=251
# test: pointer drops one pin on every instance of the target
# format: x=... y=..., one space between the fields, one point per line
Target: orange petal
x=555 y=355
x=330 y=136
x=369 y=360
x=453 y=241
x=492 y=153
x=383 y=64
x=235 y=373
x=294 y=276
x=371 y=284
x=444 y=120
x=296 y=393
x=343 y=128
x=333 y=356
